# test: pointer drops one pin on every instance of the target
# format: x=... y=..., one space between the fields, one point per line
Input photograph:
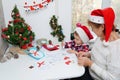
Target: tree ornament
x=57 y=29
x=18 y=32
x=8 y=36
x=30 y=45
x=25 y=46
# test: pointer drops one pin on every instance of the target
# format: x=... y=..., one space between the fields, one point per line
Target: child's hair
x=72 y=35
x=76 y=33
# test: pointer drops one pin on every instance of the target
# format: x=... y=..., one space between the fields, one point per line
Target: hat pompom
x=78 y=24
x=105 y=43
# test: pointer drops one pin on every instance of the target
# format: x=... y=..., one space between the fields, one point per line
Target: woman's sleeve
x=105 y=75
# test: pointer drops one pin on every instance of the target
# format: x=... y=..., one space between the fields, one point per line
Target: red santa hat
x=84 y=33
x=104 y=16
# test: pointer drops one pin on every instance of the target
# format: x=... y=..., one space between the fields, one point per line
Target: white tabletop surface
x=54 y=67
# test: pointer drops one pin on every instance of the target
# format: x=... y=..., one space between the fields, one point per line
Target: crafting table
x=56 y=64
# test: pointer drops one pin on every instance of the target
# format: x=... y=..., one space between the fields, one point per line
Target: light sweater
x=106 y=60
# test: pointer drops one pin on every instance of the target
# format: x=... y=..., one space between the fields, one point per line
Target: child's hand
x=62 y=44
x=71 y=51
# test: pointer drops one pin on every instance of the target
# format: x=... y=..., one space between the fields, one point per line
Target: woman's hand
x=84 y=61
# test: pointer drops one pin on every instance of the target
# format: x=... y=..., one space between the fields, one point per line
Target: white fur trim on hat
x=82 y=35
x=96 y=19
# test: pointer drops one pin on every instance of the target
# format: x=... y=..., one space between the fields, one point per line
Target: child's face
x=77 y=39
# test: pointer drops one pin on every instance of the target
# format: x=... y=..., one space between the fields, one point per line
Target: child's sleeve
x=85 y=48
x=69 y=44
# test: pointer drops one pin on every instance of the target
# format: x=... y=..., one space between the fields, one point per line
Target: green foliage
x=57 y=29
x=18 y=32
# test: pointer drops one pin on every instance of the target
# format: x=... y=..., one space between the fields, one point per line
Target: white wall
x=106 y=3
x=39 y=21
x=65 y=16
x=3 y=45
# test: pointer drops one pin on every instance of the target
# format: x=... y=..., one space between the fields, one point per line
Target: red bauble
x=31 y=37
x=48 y=1
x=16 y=32
x=4 y=29
x=17 y=14
x=25 y=46
x=21 y=30
x=4 y=36
x=30 y=45
x=17 y=20
x=24 y=38
x=29 y=28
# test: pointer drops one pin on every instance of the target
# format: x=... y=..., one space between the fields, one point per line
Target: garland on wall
x=37 y=6
x=57 y=29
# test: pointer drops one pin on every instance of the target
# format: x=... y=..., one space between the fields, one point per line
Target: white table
x=18 y=69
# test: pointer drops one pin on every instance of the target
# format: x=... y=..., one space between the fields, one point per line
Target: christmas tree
x=57 y=29
x=18 y=32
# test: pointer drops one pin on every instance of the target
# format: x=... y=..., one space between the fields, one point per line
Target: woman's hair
x=99 y=25
x=117 y=30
